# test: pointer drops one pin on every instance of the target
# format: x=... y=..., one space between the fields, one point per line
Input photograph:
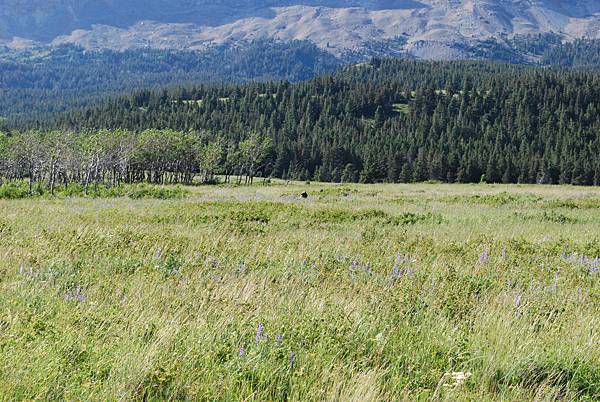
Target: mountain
x=67 y=54
x=421 y=28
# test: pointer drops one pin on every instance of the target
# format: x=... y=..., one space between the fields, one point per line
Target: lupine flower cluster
x=259 y=333
x=75 y=295
x=402 y=268
x=262 y=336
x=554 y=285
x=591 y=264
x=484 y=257
x=341 y=258
x=358 y=267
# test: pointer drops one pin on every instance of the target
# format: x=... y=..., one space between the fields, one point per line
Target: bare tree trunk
x=52 y=177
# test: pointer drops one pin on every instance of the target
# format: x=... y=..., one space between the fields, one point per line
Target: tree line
x=387 y=120
x=113 y=157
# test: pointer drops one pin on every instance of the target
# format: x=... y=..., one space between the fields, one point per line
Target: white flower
x=458 y=378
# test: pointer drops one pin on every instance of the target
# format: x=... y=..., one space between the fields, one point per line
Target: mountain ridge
x=421 y=28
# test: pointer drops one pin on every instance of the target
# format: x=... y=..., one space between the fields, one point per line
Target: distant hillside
x=48 y=81
x=51 y=81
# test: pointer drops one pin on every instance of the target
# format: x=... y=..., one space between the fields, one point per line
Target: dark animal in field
x=304 y=195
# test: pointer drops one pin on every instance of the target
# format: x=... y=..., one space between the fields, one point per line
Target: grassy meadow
x=358 y=293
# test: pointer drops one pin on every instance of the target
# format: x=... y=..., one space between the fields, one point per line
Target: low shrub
x=20 y=189
x=14 y=190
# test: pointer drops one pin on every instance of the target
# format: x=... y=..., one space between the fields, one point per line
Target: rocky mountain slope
x=424 y=28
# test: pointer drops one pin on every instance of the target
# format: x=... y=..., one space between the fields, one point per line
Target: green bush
x=20 y=189
x=14 y=190
x=72 y=190
x=146 y=191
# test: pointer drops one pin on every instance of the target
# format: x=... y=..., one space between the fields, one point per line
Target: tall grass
x=251 y=293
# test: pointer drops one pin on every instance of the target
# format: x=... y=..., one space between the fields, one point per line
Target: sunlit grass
x=382 y=292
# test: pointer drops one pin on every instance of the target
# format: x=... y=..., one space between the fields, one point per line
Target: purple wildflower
x=484 y=257
x=594 y=265
x=80 y=296
x=278 y=338
x=242 y=351
x=403 y=267
x=359 y=267
x=76 y=295
x=292 y=360
x=518 y=300
x=400 y=258
x=259 y=332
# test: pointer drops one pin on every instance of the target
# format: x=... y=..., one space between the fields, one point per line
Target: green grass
x=147 y=298
x=13 y=190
